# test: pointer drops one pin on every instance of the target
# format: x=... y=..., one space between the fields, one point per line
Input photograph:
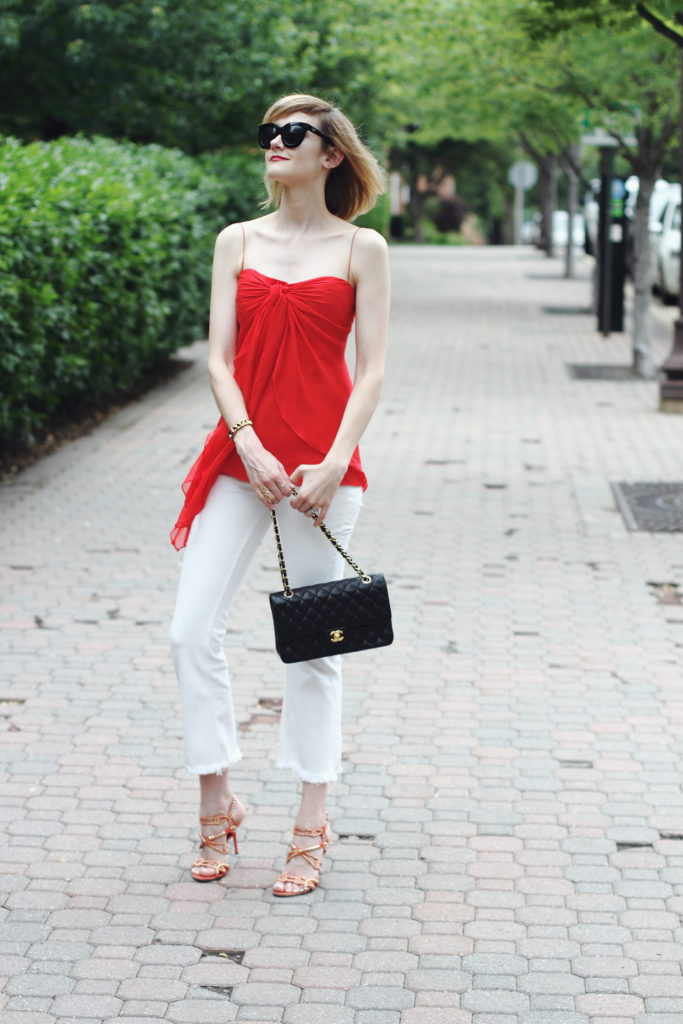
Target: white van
x=665 y=242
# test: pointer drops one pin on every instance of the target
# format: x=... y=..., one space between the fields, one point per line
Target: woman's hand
x=317 y=486
x=266 y=474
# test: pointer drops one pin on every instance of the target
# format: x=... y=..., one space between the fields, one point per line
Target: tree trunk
x=547 y=194
x=416 y=206
x=643 y=363
x=507 y=220
x=547 y=190
x=680 y=176
x=572 y=203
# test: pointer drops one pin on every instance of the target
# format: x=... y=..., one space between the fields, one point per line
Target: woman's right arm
x=262 y=468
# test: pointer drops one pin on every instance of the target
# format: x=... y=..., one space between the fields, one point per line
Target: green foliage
x=544 y=18
x=196 y=76
x=610 y=59
x=240 y=174
x=105 y=261
x=500 y=73
x=150 y=70
x=378 y=217
x=548 y=17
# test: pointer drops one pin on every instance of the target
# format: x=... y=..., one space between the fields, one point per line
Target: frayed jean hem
x=219 y=768
x=316 y=780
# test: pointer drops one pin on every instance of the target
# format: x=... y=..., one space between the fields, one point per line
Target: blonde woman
x=286 y=288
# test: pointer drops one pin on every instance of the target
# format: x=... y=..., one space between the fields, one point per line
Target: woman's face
x=305 y=162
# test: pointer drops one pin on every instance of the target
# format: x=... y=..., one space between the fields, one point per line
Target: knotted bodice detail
x=290 y=366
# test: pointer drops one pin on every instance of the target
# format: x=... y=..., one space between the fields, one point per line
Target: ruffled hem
x=219 y=768
x=200 y=479
x=316 y=780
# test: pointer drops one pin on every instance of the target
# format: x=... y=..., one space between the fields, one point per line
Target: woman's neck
x=302 y=210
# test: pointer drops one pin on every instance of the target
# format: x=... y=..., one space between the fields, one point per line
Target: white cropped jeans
x=222 y=542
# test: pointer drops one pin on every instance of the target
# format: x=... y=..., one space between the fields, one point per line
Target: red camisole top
x=291 y=369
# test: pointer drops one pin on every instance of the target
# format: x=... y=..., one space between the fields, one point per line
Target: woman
x=285 y=288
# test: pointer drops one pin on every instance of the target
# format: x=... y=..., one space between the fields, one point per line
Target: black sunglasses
x=293 y=133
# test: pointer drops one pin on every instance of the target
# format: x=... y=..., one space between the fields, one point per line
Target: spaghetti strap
x=244 y=245
x=348 y=269
x=288 y=335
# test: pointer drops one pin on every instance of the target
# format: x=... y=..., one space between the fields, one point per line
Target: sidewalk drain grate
x=563 y=763
x=671 y=835
x=600 y=371
x=365 y=837
x=635 y=845
x=651 y=507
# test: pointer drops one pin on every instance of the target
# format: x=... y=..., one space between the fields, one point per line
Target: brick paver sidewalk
x=509 y=827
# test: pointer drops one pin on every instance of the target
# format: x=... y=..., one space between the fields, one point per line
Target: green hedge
x=378 y=217
x=105 y=261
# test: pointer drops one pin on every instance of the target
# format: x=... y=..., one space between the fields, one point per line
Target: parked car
x=658 y=200
x=665 y=245
x=528 y=232
x=560 y=224
x=561 y=229
x=591 y=217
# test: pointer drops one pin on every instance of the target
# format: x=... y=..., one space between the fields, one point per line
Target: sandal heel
x=220 y=842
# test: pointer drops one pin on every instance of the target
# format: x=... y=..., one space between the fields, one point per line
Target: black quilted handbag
x=329 y=618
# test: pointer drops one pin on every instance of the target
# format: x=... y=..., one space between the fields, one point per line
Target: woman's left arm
x=319 y=482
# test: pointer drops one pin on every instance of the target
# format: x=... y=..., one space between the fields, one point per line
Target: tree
x=197 y=77
x=172 y=71
x=466 y=79
x=632 y=96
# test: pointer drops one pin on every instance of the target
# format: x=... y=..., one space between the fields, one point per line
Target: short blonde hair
x=353 y=186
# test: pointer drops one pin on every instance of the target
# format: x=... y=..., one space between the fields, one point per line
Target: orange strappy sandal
x=306 y=885
x=230 y=824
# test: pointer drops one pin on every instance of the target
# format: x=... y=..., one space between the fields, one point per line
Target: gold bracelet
x=238 y=426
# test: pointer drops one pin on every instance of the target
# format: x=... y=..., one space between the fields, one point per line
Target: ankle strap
x=309 y=831
x=218 y=819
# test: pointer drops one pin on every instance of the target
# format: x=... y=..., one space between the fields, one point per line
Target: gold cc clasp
x=336 y=635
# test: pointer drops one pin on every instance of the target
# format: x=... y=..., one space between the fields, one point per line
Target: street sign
x=522 y=174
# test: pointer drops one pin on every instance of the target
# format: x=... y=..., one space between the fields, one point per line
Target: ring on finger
x=265 y=493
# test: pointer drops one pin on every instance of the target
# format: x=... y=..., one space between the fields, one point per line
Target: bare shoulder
x=370 y=244
x=229 y=240
x=370 y=257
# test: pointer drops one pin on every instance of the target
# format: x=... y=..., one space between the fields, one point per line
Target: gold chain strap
x=281 y=556
x=333 y=540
